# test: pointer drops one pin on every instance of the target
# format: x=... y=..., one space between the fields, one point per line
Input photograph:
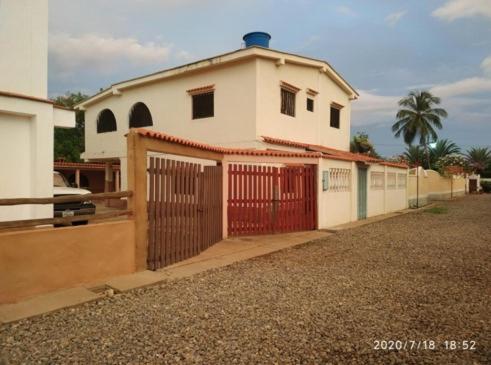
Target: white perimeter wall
x=334 y=207
x=339 y=207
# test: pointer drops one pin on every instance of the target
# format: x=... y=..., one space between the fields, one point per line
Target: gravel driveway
x=421 y=276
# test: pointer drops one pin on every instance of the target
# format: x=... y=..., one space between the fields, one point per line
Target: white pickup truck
x=61 y=187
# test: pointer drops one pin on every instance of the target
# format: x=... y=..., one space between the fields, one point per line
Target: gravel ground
x=420 y=276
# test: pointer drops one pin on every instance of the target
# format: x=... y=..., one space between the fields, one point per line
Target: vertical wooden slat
x=157 y=213
x=151 y=218
x=175 y=212
x=166 y=213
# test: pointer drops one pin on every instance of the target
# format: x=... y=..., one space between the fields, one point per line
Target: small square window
x=335 y=114
x=310 y=104
x=203 y=105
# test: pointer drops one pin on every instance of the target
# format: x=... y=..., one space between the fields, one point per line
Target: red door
x=265 y=199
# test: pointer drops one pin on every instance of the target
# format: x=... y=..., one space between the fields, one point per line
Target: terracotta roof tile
x=224 y=150
x=331 y=152
x=82 y=165
x=313 y=151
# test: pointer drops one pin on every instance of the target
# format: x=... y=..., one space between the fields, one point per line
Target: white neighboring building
x=27 y=117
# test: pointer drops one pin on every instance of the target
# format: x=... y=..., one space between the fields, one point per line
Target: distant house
x=254 y=97
x=27 y=117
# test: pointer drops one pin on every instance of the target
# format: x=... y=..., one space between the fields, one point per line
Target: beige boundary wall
x=41 y=260
x=433 y=186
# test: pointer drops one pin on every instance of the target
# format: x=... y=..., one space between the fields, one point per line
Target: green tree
x=414 y=155
x=479 y=159
x=69 y=142
x=418 y=117
x=362 y=144
x=443 y=147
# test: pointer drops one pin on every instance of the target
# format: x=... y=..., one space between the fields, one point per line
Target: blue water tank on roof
x=260 y=39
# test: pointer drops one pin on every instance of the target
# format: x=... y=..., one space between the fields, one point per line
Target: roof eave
x=241 y=54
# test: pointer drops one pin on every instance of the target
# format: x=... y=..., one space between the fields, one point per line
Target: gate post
x=137 y=203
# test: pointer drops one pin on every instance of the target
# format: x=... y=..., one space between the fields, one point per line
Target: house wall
x=24 y=47
x=26 y=125
x=306 y=126
x=171 y=109
x=26 y=128
x=41 y=260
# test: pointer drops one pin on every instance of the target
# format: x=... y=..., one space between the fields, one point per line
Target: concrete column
x=117 y=183
x=77 y=178
x=108 y=179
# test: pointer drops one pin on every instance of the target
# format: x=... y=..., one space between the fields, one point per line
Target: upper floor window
x=288 y=93
x=106 y=121
x=140 y=116
x=310 y=104
x=203 y=101
x=335 y=115
x=311 y=94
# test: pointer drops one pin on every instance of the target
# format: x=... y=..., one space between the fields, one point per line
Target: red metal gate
x=265 y=199
x=184 y=210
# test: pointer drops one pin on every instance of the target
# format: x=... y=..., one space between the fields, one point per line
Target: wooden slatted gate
x=184 y=210
x=266 y=199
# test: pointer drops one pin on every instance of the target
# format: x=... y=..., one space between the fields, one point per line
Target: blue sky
x=384 y=48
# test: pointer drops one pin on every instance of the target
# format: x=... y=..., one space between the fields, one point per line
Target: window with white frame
x=401 y=181
x=391 y=180
x=339 y=179
x=377 y=180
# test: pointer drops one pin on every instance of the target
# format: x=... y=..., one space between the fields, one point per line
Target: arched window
x=140 y=116
x=106 y=122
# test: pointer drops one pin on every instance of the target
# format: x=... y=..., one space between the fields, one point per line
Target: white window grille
x=401 y=181
x=339 y=179
x=377 y=180
x=391 y=180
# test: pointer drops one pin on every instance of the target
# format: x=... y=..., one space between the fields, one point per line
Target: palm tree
x=414 y=155
x=418 y=117
x=443 y=147
x=479 y=158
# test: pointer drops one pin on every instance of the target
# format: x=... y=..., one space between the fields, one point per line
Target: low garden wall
x=433 y=186
x=36 y=261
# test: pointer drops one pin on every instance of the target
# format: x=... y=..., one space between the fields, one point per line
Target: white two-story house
x=229 y=100
x=254 y=97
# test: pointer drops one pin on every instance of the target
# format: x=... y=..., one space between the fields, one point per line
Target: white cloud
x=472 y=85
x=393 y=19
x=345 y=10
x=98 y=53
x=486 y=65
x=455 y=9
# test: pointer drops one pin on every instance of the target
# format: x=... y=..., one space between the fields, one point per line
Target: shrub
x=486 y=186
